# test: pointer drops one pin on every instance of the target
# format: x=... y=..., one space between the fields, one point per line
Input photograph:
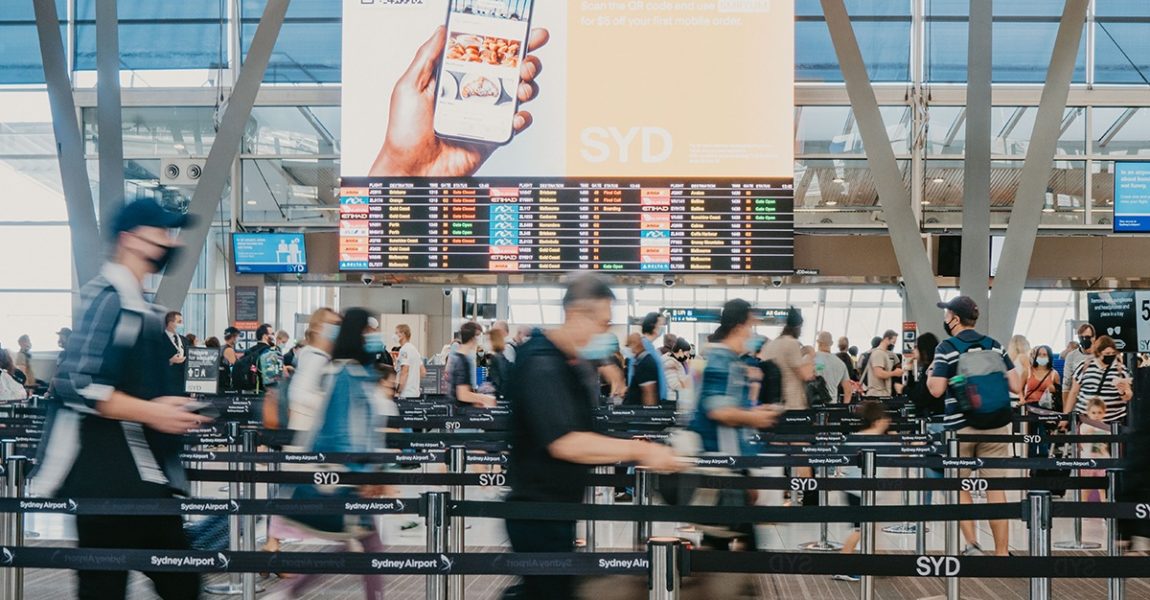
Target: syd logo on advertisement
x=602 y=144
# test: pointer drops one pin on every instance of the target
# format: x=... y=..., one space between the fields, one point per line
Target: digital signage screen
x=1132 y=197
x=524 y=135
x=269 y=252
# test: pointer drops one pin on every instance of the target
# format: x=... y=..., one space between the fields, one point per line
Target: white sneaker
x=973 y=550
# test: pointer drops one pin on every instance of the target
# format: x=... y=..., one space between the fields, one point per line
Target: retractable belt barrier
x=578 y=564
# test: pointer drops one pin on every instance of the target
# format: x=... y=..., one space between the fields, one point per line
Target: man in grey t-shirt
x=884 y=368
x=832 y=369
x=1078 y=356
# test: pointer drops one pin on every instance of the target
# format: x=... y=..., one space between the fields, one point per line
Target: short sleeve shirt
x=877 y=387
x=724 y=385
x=787 y=354
x=833 y=371
x=946 y=365
x=459 y=373
x=646 y=374
x=409 y=357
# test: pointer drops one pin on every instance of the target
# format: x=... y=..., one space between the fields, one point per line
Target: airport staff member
x=113 y=433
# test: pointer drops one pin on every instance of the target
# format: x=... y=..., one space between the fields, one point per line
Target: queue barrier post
x=1039 y=521
x=591 y=496
x=920 y=527
x=1115 y=586
x=233 y=585
x=644 y=484
x=823 y=544
x=14 y=484
x=1076 y=453
x=953 y=584
x=867 y=461
x=435 y=515
x=457 y=463
x=248 y=522
x=7 y=448
x=665 y=577
x=906 y=527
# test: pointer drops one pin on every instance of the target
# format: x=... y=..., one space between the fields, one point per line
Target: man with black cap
x=113 y=433
x=945 y=382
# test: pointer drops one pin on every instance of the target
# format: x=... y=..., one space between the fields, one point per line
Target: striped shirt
x=946 y=365
x=117 y=346
x=1089 y=377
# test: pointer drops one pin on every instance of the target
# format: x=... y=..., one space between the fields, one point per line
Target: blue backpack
x=985 y=397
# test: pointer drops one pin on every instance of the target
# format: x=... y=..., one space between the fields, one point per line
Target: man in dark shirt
x=643 y=389
x=176 y=351
x=113 y=433
x=554 y=387
x=461 y=367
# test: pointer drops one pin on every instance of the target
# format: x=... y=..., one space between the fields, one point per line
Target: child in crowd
x=876 y=422
x=1095 y=411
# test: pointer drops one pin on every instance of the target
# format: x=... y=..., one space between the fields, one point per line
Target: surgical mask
x=330 y=331
x=753 y=344
x=161 y=262
x=394 y=340
x=1109 y=360
x=1085 y=342
x=600 y=347
x=1042 y=361
x=373 y=343
x=180 y=329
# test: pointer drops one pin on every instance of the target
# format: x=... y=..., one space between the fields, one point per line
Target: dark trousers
x=142 y=533
x=544 y=536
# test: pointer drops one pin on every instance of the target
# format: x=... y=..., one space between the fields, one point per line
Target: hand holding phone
x=411 y=146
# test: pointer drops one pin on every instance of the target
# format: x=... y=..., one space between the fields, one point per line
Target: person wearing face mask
x=1044 y=384
x=176 y=351
x=306 y=387
x=410 y=364
x=883 y=369
x=1072 y=359
x=675 y=368
x=112 y=432
x=352 y=412
x=726 y=414
x=553 y=444
x=462 y=369
x=1103 y=376
x=945 y=382
x=643 y=388
x=651 y=328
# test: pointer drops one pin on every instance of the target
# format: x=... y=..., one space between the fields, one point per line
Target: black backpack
x=246 y=375
x=817 y=394
x=771 y=390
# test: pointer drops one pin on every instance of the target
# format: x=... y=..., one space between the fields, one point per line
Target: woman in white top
x=10 y=389
x=674 y=371
x=306 y=391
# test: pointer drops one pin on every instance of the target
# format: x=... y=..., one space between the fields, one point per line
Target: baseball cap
x=147 y=213
x=230 y=331
x=64 y=331
x=794 y=317
x=963 y=306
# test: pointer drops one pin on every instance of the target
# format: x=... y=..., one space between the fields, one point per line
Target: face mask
x=601 y=347
x=1085 y=341
x=753 y=344
x=394 y=340
x=373 y=343
x=161 y=262
x=180 y=329
x=1109 y=360
x=946 y=326
x=1042 y=361
x=330 y=331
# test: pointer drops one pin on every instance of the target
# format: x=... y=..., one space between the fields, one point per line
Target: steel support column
x=218 y=167
x=85 y=232
x=894 y=198
x=109 y=116
x=1028 y=203
x=975 y=270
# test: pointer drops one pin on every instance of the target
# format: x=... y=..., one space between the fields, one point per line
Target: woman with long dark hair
x=346 y=422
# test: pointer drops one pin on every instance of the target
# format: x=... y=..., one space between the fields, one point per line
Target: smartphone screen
x=479 y=73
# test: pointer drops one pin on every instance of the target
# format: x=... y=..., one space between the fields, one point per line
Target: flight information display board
x=643 y=225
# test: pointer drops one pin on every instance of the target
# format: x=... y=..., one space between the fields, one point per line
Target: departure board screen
x=642 y=225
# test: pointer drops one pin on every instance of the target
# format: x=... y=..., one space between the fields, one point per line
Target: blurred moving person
x=554 y=391
x=112 y=432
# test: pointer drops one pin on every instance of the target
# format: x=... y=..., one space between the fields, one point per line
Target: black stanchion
x=643 y=490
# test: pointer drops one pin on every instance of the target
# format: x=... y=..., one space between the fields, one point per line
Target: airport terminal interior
x=496 y=300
